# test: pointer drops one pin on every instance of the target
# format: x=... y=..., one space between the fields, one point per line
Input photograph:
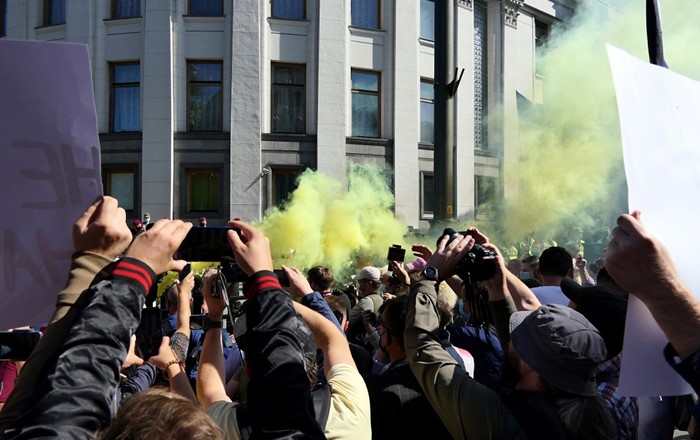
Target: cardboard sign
x=659 y=114
x=49 y=171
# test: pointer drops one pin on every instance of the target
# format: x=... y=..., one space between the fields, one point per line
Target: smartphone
x=282 y=277
x=208 y=243
x=185 y=271
x=396 y=253
x=17 y=345
x=197 y=322
x=149 y=333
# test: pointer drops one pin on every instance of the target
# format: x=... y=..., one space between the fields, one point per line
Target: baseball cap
x=561 y=345
x=418 y=264
x=369 y=273
x=605 y=309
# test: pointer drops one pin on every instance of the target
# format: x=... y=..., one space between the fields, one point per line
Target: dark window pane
x=365 y=81
x=427 y=91
x=283 y=184
x=127 y=109
x=203 y=190
x=56 y=12
x=205 y=72
x=121 y=186
x=3 y=18
x=485 y=192
x=288 y=75
x=289 y=9
x=288 y=113
x=365 y=14
x=365 y=115
x=127 y=8
x=428 y=194
x=480 y=76
x=427 y=122
x=427 y=20
x=127 y=73
x=205 y=108
x=206 y=7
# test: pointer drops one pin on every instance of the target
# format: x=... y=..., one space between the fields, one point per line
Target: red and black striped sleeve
x=134 y=271
x=261 y=281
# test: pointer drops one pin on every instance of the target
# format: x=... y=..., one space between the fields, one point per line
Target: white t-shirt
x=550 y=295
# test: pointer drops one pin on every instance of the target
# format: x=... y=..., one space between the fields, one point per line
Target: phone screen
x=208 y=243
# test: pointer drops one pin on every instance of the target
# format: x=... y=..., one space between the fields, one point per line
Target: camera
x=396 y=253
x=478 y=265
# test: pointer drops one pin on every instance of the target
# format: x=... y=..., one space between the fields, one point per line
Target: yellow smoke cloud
x=570 y=167
x=325 y=223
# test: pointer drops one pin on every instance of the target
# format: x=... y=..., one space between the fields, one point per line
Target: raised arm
x=210 y=375
x=333 y=344
x=74 y=391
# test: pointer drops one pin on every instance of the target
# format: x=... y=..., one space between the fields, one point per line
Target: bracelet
x=173 y=362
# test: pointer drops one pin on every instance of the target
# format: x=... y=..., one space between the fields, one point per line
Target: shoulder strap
x=321 y=396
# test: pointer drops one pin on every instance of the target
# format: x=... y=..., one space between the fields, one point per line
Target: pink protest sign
x=49 y=172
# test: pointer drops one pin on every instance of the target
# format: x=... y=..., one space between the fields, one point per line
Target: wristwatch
x=430 y=273
x=209 y=324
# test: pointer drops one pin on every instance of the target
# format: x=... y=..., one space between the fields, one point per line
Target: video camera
x=478 y=265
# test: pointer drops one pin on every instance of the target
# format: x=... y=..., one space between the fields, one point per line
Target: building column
x=406 y=110
x=246 y=110
x=333 y=89
x=157 y=111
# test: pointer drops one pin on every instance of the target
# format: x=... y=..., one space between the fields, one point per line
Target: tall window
x=427 y=20
x=125 y=97
x=120 y=183
x=204 y=96
x=485 y=193
x=54 y=12
x=203 y=189
x=541 y=34
x=480 y=76
x=206 y=8
x=288 y=98
x=126 y=8
x=365 y=103
x=427 y=195
x=365 y=13
x=284 y=182
x=289 y=9
x=3 y=18
x=427 y=111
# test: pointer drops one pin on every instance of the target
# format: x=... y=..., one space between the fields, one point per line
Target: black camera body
x=478 y=265
x=396 y=253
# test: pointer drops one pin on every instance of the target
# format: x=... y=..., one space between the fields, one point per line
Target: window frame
x=422 y=100
x=379 y=17
x=479 y=181
x=420 y=21
x=273 y=86
x=114 y=11
x=189 y=10
x=424 y=213
x=303 y=11
x=48 y=4
x=185 y=192
x=127 y=168
x=189 y=100
x=113 y=86
x=275 y=170
x=378 y=94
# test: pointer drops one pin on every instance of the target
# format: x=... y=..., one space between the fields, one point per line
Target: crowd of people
x=418 y=350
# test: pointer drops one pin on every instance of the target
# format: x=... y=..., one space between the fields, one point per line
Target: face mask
x=524 y=275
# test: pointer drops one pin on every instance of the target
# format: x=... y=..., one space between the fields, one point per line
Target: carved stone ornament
x=469 y=4
x=510 y=10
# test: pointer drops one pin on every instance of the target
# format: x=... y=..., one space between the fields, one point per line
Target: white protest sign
x=49 y=172
x=659 y=115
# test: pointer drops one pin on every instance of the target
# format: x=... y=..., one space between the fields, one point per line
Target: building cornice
x=510 y=10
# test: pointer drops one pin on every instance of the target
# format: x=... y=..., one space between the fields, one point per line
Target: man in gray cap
x=368 y=283
x=552 y=355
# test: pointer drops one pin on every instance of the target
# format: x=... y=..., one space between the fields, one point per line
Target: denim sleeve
x=279 y=397
x=143 y=378
x=73 y=395
x=315 y=302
